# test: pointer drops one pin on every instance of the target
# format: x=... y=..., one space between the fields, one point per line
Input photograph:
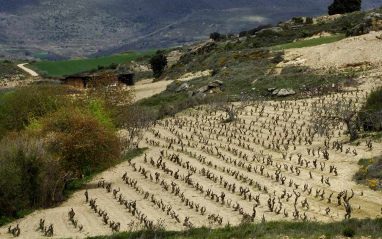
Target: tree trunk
x=352 y=130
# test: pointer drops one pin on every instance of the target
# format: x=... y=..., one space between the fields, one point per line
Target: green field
x=40 y=55
x=70 y=67
x=310 y=42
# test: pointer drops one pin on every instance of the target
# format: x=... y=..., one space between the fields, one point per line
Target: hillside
x=81 y=28
x=230 y=164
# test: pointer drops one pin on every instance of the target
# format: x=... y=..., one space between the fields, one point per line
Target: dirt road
x=29 y=71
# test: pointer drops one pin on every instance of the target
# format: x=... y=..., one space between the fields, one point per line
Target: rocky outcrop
x=182 y=87
x=202 y=48
x=212 y=87
x=281 y=92
x=272 y=29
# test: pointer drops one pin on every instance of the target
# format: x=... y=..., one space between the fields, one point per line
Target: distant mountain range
x=77 y=28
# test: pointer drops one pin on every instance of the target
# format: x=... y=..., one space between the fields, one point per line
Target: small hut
x=77 y=81
x=127 y=79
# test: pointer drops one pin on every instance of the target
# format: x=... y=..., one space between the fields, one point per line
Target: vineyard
x=270 y=164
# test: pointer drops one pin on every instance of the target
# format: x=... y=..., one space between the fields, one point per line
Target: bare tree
x=328 y=114
x=224 y=103
x=136 y=120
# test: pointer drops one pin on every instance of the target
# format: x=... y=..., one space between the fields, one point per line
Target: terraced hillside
x=266 y=165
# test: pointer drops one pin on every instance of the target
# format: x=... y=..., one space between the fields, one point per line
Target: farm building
x=83 y=81
x=127 y=79
x=77 y=81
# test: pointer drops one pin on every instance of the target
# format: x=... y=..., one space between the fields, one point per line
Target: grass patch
x=70 y=67
x=364 y=227
x=377 y=136
x=162 y=99
x=308 y=43
x=41 y=55
x=370 y=172
x=297 y=81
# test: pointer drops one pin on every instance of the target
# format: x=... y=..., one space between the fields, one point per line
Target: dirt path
x=29 y=71
x=148 y=88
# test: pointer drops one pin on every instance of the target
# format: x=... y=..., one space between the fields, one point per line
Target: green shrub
x=214 y=72
x=158 y=62
x=309 y=20
x=371 y=114
x=229 y=46
x=298 y=20
x=113 y=66
x=28 y=175
x=344 y=6
x=348 y=232
x=364 y=162
x=81 y=141
x=20 y=107
x=215 y=36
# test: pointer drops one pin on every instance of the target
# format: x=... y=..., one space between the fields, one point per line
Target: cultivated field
x=60 y=68
x=309 y=42
x=198 y=171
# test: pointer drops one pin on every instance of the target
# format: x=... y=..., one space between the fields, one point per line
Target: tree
x=344 y=6
x=158 y=62
x=328 y=115
x=26 y=104
x=371 y=114
x=215 y=36
x=309 y=20
x=224 y=103
x=29 y=174
x=83 y=144
x=135 y=120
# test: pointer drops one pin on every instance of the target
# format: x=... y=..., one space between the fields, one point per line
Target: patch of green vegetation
x=162 y=99
x=299 y=82
x=364 y=227
x=364 y=162
x=370 y=172
x=310 y=42
x=9 y=68
x=41 y=55
x=21 y=214
x=70 y=67
x=74 y=185
x=377 y=136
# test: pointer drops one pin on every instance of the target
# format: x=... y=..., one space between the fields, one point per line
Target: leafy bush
x=298 y=20
x=158 y=62
x=28 y=175
x=229 y=46
x=309 y=20
x=344 y=6
x=82 y=142
x=113 y=66
x=348 y=232
x=20 y=107
x=215 y=36
x=370 y=172
x=371 y=114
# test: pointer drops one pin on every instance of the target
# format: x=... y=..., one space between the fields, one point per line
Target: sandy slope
x=202 y=136
x=365 y=50
x=147 y=88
